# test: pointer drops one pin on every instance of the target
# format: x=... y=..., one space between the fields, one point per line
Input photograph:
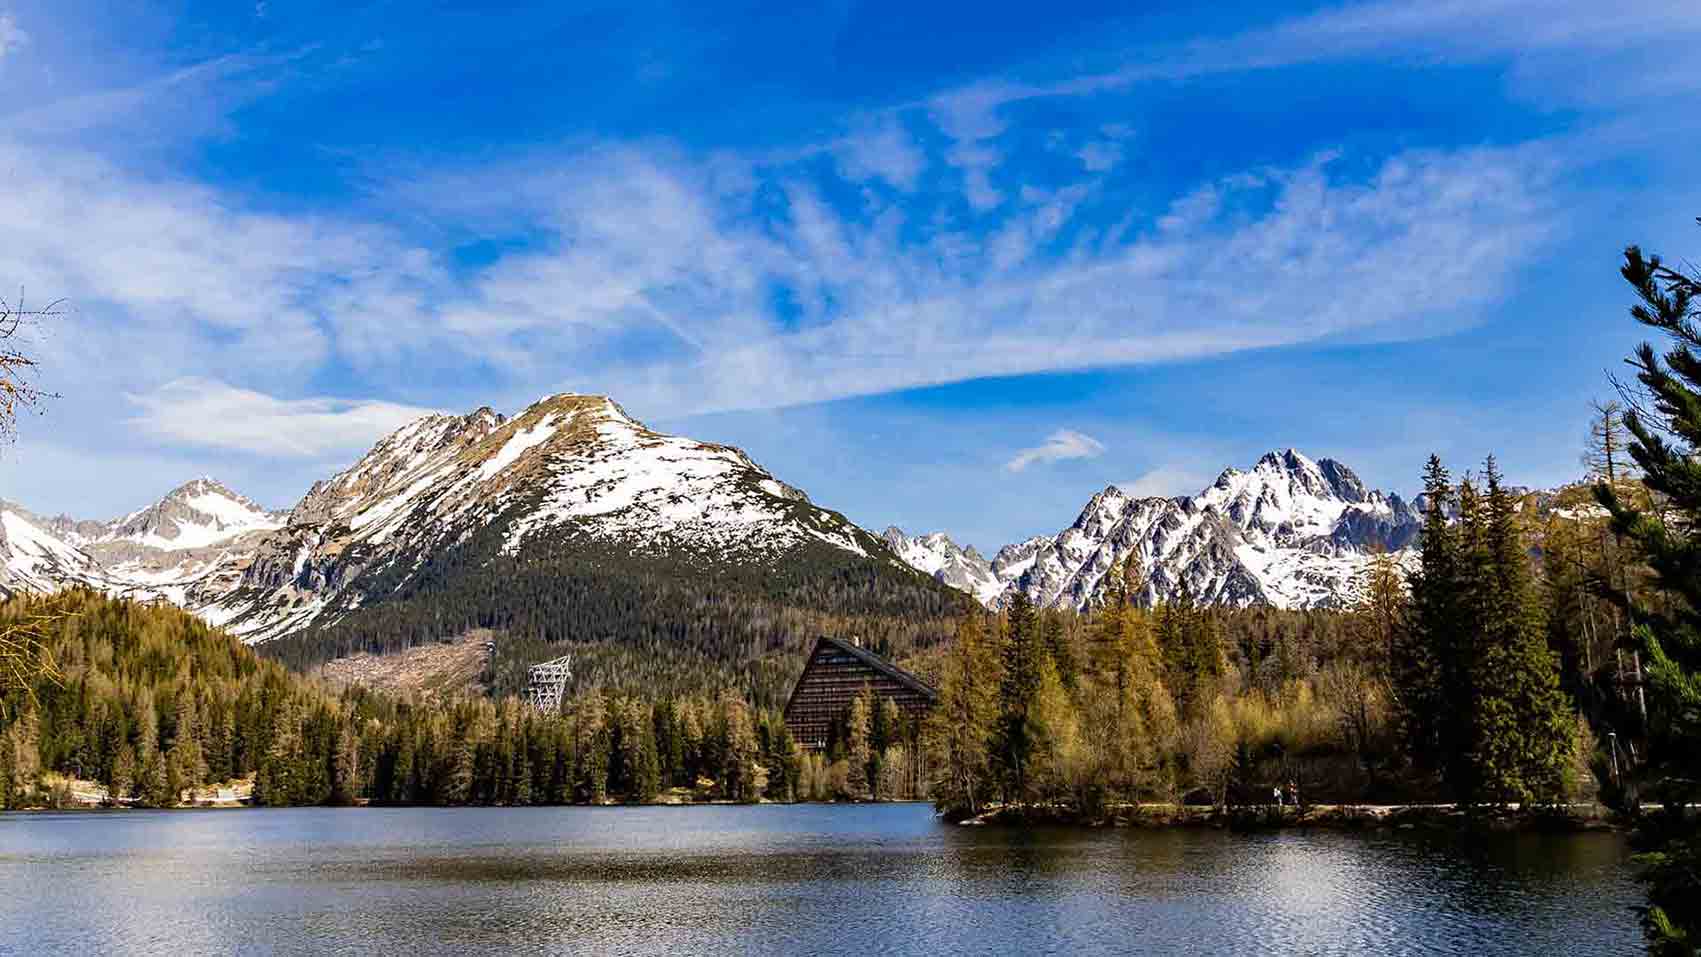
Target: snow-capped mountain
x=1290 y=532
x=571 y=471
x=936 y=554
x=574 y=474
x=33 y=557
x=570 y=467
x=189 y=547
x=197 y=514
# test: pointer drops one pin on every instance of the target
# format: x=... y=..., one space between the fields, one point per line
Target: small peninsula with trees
x=1541 y=657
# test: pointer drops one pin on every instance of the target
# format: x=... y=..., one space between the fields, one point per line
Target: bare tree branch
x=18 y=392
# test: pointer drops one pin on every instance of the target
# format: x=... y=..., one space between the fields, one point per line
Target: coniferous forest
x=1542 y=650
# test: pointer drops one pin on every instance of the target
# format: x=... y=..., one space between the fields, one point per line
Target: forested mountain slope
x=147 y=701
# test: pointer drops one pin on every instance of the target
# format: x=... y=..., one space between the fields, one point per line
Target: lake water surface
x=774 y=879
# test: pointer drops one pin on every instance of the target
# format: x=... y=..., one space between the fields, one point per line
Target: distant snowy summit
x=936 y=554
x=1290 y=532
x=575 y=473
x=568 y=471
x=190 y=543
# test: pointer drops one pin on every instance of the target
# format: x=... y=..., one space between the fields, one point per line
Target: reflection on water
x=877 y=879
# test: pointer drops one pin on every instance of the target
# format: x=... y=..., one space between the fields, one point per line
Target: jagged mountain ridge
x=1289 y=532
x=570 y=462
x=188 y=547
x=570 y=474
x=936 y=554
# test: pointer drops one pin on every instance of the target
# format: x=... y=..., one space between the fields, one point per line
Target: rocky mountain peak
x=1291 y=531
x=1345 y=483
x=937 y=555
x=197 y=514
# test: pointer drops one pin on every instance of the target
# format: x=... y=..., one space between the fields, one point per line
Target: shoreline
x=1570 y=819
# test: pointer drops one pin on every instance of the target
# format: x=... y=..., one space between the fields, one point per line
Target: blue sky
x=954 y=268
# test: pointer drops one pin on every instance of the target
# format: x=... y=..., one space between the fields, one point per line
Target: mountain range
x=447 y=498
x=1290 y=532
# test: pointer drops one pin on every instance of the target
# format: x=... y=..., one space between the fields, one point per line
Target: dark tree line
x=154 y=705
x=1477 y=685
x=649 y=621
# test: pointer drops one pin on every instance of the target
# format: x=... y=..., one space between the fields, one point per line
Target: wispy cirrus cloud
x=663 y=283
x=889 y=250
x=1059 y=446
x=673 y=287
x=211 y=414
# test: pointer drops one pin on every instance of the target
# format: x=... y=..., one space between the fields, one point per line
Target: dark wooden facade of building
x=836 y=673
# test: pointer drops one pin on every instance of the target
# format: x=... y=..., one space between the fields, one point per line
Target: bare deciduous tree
x=24 y=653
x=18 y=392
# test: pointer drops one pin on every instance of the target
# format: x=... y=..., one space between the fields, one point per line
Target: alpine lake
x=805 y=879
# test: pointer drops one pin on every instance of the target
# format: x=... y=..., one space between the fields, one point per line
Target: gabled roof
x=879 y=664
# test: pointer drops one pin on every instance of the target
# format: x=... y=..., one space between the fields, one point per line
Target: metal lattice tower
x=549 y=683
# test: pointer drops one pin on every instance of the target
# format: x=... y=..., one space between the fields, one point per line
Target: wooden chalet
x=836 y=673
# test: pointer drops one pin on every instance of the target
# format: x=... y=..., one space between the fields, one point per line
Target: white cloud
x=212 y=414
x=688 y=285
x=1166 y=481
x=1058 y=446
x=169 y=278
x=659 y=284
x=1099 y=156
x=884 y=150
x=1421 y=242
x=1543 y=40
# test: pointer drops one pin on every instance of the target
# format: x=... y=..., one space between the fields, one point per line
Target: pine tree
x=155 y=782
x=1666 y=445
x=743 y=778
x=590 y=748
x=1525 y=734
x=960 y=728
x=1425 y=655
x=123 y=779
x=1020 y=684
x=345 y=777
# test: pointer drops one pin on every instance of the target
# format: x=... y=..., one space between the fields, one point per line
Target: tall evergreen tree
x=1666 y=445
x=1425 y=655
x=960 y=729
x=1023 y=653
x=1525 y=734
x=862 y=749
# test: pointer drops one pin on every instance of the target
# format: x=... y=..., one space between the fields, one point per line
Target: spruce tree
x=1525 y=734
x=1424 y=648
x=1020 y=684
x=1665 y=426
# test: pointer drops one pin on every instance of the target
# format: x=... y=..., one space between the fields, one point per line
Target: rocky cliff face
x=1289 y=532
x=936 y=554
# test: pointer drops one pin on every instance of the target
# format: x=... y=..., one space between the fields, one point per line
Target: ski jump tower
x=549 y=683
